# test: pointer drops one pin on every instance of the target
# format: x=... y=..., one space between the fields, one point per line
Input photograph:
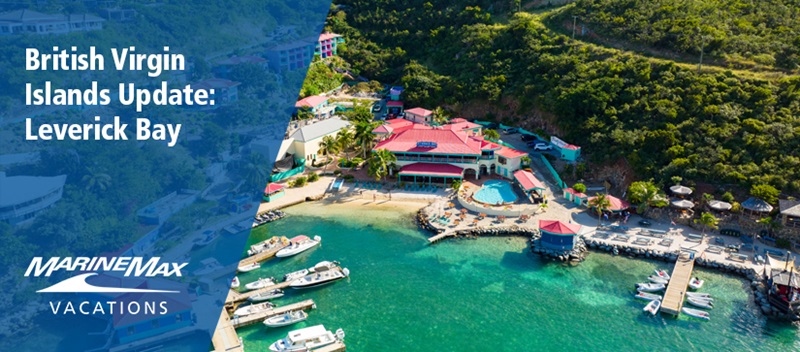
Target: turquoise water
x=491 y=294
x=494 y=192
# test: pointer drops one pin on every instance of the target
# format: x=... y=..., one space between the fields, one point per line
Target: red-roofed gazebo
x=617 y=205
x=273 y=191
x=558 y=235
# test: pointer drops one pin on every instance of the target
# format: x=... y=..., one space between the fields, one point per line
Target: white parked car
x=542 y=146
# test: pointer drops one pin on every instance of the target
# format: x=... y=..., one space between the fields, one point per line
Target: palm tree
x=543 y=206
x=380 y=163
x=645 y=195
x=328 y=146
x=491 y=135
x=440 y=115
x=364 y=137
x=600 y=203
x=344 y=139
x=707 y=220
x=96 y=180
x=526 y=160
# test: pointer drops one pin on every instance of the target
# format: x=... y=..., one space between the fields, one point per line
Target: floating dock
x=678 y=284
x=260 y=316
x=265 y=255
x=225 y=338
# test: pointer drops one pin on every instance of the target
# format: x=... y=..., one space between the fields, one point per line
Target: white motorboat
x=286 y=319
x=657 y=279
x=648 y=296
x=210 y=265
x=263 y=296
x=324 y=273
x=662 y=274
x=653 y=307
x=235 y=282
x=701 y=303
x=649 y=287
x=696 y=283
x=248 y=267
x=307 y=339
x=261 y=247
x=252 y=309
x=298 y=245
x=260 y=283
x=699 y=295
x=700 y=314
x=295 y=275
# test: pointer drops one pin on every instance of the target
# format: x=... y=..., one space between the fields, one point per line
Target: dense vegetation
x=737 y=31
x=663 y=119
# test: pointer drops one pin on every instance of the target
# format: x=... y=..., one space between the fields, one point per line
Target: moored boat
x=662 y=274
x=701 y=303
x=295 y=275
x=700 y=314
x=657 y=279
x=235 y=282
x=286 y=319
x=324 y=273
x=649 y=287
x=260 y=283
x=248 y=267
x=263 y=296
x=648 y=296
x=261 y=247
x=298 y=245
x=699 y=295
x=306 y=339
x=696 y=283
x=252 y=309
x=652 y=307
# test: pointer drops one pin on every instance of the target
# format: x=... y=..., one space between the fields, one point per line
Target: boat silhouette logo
x=78 y=284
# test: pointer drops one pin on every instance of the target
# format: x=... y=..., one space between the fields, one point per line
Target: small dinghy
x=248 y=268
x=260 y=283
x=696 y=283
x=298 y=245
x=253 y=309
x=652 y=307
x=649 y=287
x=657 y=279
x=662 y=274
x=286 y=319
x=699 y=314
x=648 y=296
x=235 y=282
x=699 y=295
x=263 y=296
x=701 y=303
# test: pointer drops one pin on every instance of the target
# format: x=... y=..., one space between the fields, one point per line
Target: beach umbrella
x=464 y=211
x=757 y=205
x=463 y=216
x=719 y=205
x=483 y=215
x=682 y=204
x=447 y=213
x=681 y=190
x=451 y=204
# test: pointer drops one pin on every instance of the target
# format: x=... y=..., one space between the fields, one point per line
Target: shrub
x=299 y=182
x=727 y=197
x=348 y=177
x=783 y=243
x=736 y=207
x=337 y=172
x=313 y=177
x=579 y=187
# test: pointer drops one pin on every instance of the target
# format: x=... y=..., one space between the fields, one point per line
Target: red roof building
x=617 y=204
x=419 y=115
x=527 y=181
x=558 y=235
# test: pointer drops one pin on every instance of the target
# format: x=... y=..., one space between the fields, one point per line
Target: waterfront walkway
x=268 y=313
x=225 y=338
x=678 y=284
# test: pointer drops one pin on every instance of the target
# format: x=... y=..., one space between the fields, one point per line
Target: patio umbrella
x=682 y=204
x=463 y=216
x=464 y=211
x=451 y=204
x=757 y=205
x=483 y=215
x=719 y=205
x=681 y=190
x=447 y=213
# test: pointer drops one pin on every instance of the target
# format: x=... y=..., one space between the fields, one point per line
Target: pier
x=268 y=254
x=237 y=297
x=678 y=284
x=441 y=236
x=238 y=322
x=225 y=338
x=338 y=346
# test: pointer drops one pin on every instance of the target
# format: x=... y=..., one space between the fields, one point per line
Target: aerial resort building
x=437 y=155
x=568 y=152
x=529 y=183
x=558 y=235
x=575 y=196
x=318 y=105
x=790 y=213
x=327 y=44
x=24 y=197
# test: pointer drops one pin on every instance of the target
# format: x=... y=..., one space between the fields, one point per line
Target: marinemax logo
x=128 y=266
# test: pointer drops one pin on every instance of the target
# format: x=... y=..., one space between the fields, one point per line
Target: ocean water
x=491 y=294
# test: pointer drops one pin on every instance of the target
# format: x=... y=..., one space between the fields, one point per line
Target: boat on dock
x=699 y=314
x=307 y=339
x=653 y=307
x=649 y=287
x=700 y=303
x=248 y=268
x=324 y=273
x=262 y=247
x=235 y=282
x=699 y=295
x=695 y=283
x=253 y=309
x=648 y=296
x=657 y=279
x=260 y=283
x=267 y=217
x=286 y=319
x=264 y=296
x=662 y=274
x=298 y=245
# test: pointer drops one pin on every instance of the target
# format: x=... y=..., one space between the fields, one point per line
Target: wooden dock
x=237 y=297
x=441 y=236
x=260 y=316
x=338 y=346
x=225 y=338
x=678 y=284
x=265 y=255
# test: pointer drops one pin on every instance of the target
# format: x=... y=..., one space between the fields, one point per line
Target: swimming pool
x=495 y=192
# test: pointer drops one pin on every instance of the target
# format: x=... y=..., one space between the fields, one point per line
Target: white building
x=304 y=143
x=23 y=197
x=27 y=21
